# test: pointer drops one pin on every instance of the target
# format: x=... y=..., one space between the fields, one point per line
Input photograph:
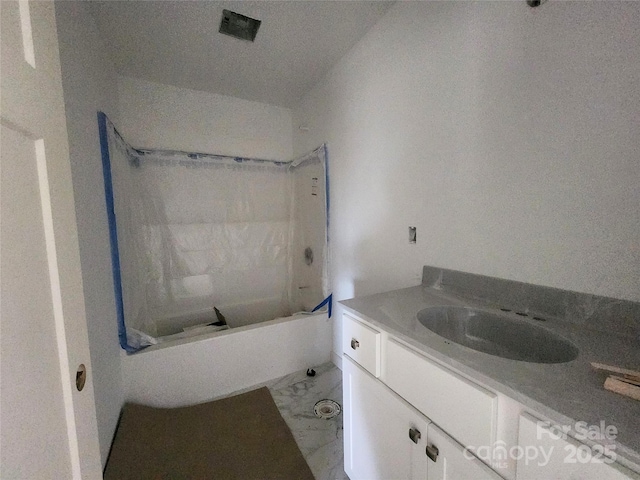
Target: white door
x=384 y=438
x=48 y=427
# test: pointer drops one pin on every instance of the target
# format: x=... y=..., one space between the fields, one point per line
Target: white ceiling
x=177 y=43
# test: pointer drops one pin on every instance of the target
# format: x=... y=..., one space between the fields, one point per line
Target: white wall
x=159 y=116
x=507 y=135
x=89 y=85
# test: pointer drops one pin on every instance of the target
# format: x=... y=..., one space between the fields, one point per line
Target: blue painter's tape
x=113 y=231
x=327 y=301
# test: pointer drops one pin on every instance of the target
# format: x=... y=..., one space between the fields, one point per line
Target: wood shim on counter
x=626 y=382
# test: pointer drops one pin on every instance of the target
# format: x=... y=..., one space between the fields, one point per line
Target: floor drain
x=326 y=409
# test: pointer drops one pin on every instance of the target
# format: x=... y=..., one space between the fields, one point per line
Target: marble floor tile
x=320 y=440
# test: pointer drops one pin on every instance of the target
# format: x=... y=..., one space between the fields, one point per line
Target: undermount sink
x=497 y=334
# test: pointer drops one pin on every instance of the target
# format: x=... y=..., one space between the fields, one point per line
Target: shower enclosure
x=193 y=231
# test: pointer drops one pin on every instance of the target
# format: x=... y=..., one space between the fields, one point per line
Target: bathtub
x=193 y=370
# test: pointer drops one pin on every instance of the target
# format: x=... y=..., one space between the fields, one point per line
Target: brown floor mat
x=240 y=437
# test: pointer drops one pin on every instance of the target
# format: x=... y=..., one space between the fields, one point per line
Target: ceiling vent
x=239 y=26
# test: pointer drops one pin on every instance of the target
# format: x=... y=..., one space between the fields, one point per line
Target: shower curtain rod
x=148 y=153
x=158 y=154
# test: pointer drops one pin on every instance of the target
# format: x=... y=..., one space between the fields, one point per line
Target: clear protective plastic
x=196 y=231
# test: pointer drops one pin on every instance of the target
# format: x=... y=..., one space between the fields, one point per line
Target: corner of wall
x=88 y=82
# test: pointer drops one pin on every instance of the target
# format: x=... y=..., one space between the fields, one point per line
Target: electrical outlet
x=412 y=235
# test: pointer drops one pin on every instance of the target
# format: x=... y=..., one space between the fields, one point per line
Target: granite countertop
x=566 y=393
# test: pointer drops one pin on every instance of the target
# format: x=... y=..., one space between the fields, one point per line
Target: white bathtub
x=196 y=370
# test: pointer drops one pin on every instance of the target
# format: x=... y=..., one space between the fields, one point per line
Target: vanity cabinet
x=406 y=417
x=385 y=437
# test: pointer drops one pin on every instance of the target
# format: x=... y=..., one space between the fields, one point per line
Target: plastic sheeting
x=196 y=231
x=309 y=231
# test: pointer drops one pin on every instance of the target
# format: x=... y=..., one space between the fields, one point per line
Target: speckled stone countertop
x=566 y=393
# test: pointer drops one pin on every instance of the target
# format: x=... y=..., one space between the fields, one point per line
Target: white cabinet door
x=548 y=455
x=377 y=427
x=450 y=461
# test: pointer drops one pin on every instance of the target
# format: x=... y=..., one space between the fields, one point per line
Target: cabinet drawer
x=361 y=343
x=463 y=409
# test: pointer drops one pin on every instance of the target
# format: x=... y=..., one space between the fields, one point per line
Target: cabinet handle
x=354 y=343
x=414 y=435
x=432 y=452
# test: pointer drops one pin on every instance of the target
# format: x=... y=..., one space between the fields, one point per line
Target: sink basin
x=498 y=335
